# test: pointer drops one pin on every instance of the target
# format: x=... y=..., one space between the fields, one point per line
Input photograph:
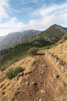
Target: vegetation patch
x=2 y=68
x=63 y=39
x=33 y=51
x=46 y=39
x=13 y=72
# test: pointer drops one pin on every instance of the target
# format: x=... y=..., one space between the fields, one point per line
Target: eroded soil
x=42 y=81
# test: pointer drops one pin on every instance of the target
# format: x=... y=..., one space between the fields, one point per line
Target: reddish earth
x=42 y=81
x=43 y=84
x=60 y=51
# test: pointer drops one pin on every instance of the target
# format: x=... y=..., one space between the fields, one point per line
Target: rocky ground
x=61 y=51
x=44 y=79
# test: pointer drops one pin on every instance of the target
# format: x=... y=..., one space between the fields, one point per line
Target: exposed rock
x=27 y=83
x=21 y=74
x=17 y=93
x=35 y=87
x=40 y=100
x=62 y=65
x=57 y=76
x=28 y=73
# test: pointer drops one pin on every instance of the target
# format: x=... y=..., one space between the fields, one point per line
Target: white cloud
x=3 y=9
x=55 y=14
x=40 y=19
x=12 y=25
x=47 y=16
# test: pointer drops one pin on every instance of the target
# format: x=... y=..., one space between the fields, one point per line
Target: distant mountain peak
x=56 y=25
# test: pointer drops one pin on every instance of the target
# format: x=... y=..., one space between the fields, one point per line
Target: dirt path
x=44 y=84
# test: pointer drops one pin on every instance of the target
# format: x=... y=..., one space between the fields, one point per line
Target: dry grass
x=60 y=51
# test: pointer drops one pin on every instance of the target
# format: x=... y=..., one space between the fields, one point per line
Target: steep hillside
x=13 y=39
x=60 y=51
x=45 y=39
x=43 y=78
x=54 y=33
x=1 y=38
x=44 y=75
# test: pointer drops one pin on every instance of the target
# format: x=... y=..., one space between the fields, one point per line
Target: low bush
x=2 y=68
x=65 y=37
x=33 y=51
x=13 y=72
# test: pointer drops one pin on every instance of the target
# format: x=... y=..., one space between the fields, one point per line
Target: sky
x=20 y=15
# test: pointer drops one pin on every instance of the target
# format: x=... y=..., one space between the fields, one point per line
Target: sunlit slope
x=60 y=51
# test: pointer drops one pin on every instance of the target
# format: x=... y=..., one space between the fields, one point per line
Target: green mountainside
x=54 y=33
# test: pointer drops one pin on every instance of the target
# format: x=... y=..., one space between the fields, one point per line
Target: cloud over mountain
x=40 y=18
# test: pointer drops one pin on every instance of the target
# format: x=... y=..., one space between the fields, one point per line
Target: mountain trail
x=42 y=81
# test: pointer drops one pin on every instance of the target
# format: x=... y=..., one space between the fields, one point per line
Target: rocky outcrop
x=61 y=64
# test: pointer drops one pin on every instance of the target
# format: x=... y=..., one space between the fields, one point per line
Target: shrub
x=33 y=51
x=65 y=37
x=2 y=68
x=13 y=72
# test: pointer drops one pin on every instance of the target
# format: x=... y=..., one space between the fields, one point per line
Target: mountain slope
x=60 y=51
x=45 y=39
x=15 y=38
x=54 y=33
x=45 y=75
x=1 y=38
x=41 y=80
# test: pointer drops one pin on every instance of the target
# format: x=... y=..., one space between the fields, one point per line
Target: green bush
x=65 y=37
x=2 y=68
x=13 y=72
x=33 y=51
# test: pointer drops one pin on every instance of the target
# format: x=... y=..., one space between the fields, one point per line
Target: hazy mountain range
x=1 y=38
x=15 y=38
